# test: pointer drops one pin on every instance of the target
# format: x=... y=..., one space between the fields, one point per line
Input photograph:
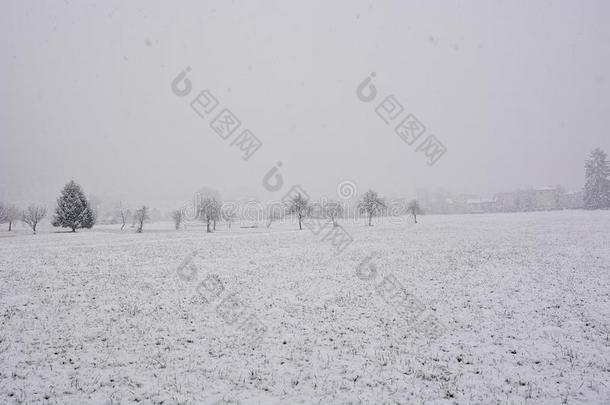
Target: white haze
x=517 y=91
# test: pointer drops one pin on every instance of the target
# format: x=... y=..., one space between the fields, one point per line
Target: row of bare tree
x=370 y=204
x=209 y=209
x=30 y=216
x=73 y=211
x=33 y=214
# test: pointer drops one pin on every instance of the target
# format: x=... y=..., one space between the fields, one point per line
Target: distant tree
x=333 y=210
x=300 y=207
x=177 y=216
x=9 y=214
x=141 y=216
x=597 y=185
x=208 y=202
x=414 y=209
x=124 y=214
x=274 y=212
x=228 y=214
x=12 y=215
x=209 y=211
x=73 y=210
x=371 y=204
x=32 y=215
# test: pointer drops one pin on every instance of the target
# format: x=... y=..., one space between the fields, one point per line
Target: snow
x=102 y=316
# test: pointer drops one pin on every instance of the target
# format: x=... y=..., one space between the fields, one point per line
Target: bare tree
x=177 y=216
x=208 y=206
x=32 y=216
x=333 y=210
x=300 y=207
x=140 y=216
x=209 y=211
x=124 y=214
x=371 y=204
x=3 y=213
x=228 y=214
x=12 y=214
x=9 y=214
x=414 y=209
x=274 y=212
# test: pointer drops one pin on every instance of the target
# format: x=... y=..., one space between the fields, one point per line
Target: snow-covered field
x=102 y=316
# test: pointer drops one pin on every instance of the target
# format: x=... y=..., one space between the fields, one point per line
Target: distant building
x=531 y=199
x=507 y=201
x=572 y=200
x=545 y=198
x=481 y=205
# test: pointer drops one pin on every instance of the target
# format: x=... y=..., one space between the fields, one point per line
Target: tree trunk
x=34 y=229
x=208 y=226
x=10 y=225
x=123 y=226
x=415 y=217
x=214 y=224
x=370 y=218
x=300 y=227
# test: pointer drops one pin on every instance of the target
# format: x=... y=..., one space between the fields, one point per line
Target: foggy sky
x=518 y=92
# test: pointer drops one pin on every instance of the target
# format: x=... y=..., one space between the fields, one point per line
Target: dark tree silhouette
x=177 y=216
x=371 y=205
x=597 y=185
x=209 y=211
x=141 y=216
x=414 y=209
x=300 y=207
x=73 y=210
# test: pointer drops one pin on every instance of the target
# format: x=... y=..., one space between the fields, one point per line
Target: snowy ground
x=102 y=316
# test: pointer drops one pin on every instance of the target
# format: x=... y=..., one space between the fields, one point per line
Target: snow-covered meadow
x=103 y=316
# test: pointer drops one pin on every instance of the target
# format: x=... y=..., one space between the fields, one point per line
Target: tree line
x=74 y=210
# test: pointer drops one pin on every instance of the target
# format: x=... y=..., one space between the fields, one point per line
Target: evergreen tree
x=73 y=210
x=597 y=185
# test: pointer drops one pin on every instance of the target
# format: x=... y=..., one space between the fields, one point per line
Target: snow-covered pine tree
x=597 y=185
x=73 y=210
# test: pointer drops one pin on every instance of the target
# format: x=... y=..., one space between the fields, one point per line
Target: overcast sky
x=517 y=91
